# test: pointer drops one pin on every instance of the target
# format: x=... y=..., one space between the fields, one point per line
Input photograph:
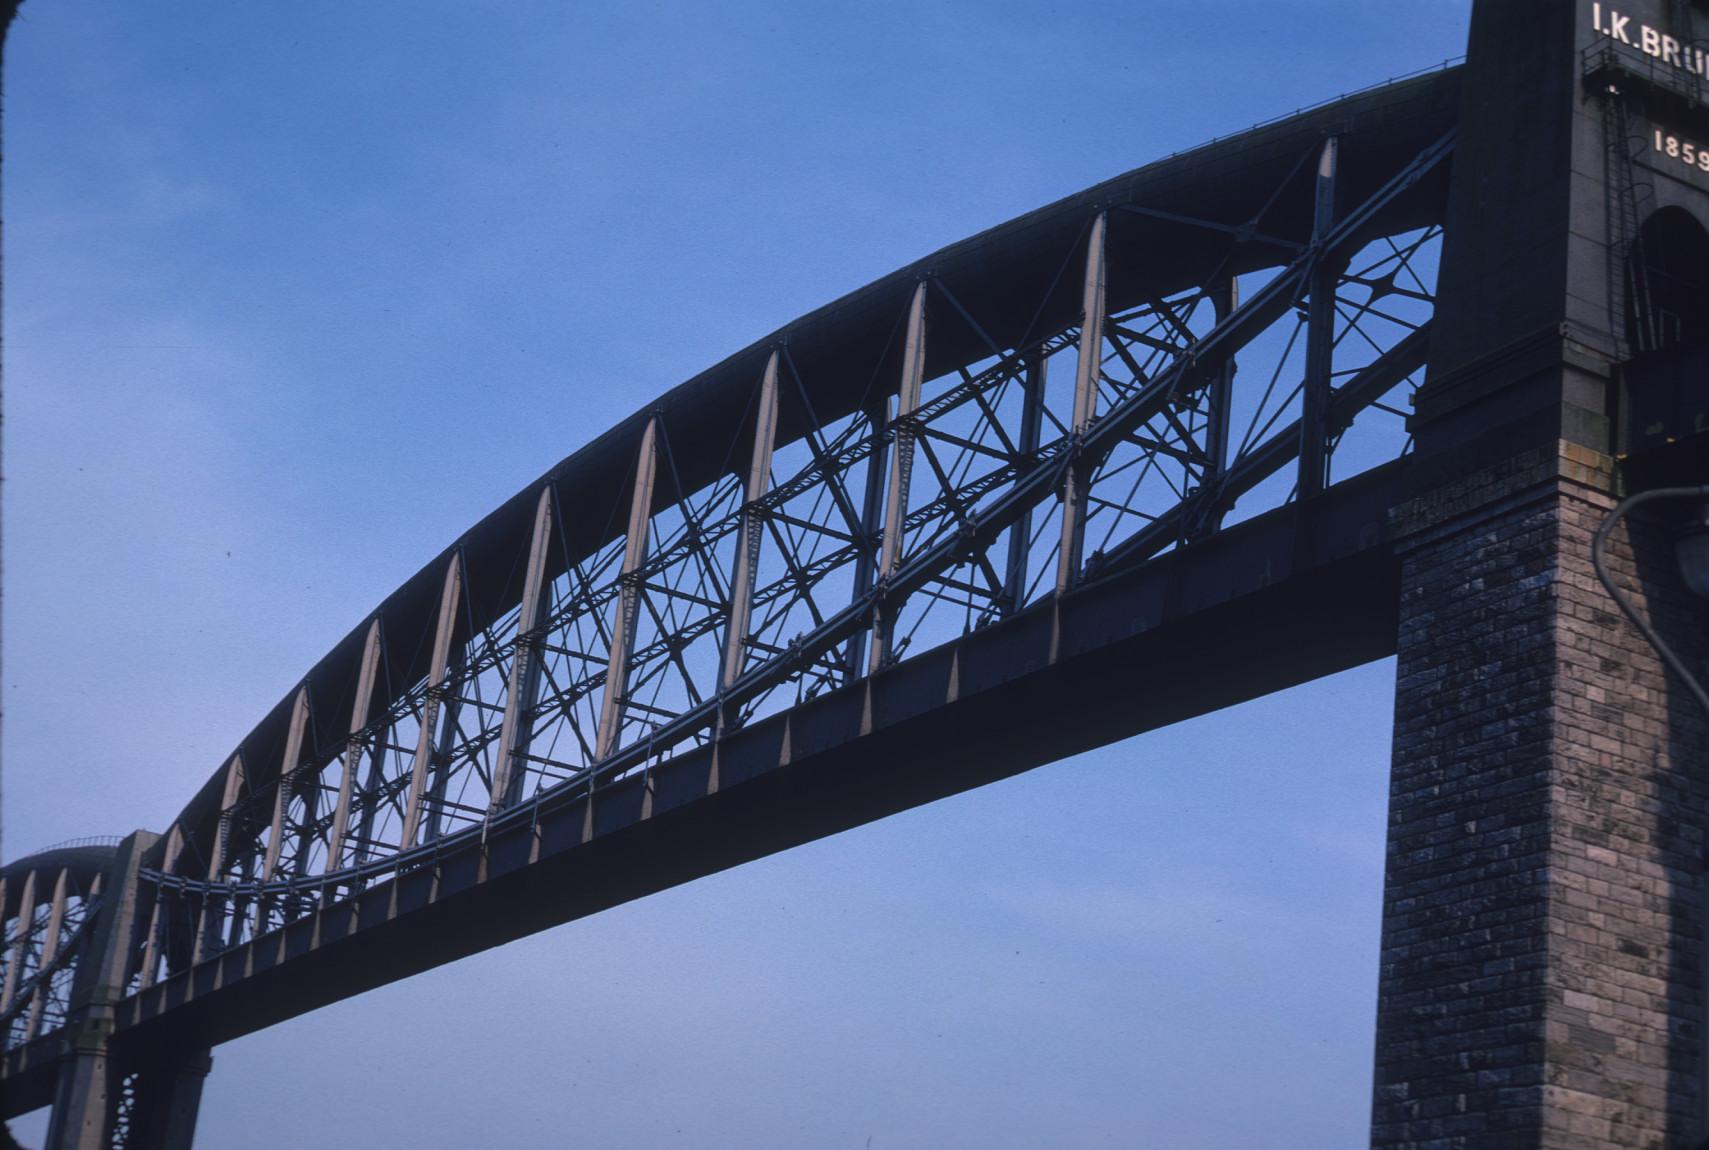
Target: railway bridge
x=1363 y=381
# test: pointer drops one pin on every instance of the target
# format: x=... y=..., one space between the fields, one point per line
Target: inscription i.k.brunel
x=1666 y=149
x=1653 y=42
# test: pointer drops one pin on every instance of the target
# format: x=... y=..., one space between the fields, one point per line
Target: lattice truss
x=45 y=933
x=945 y=501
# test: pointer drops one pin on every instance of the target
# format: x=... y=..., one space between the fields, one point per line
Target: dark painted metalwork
x=742 y=580
x=46 y=902
x=1320 y=334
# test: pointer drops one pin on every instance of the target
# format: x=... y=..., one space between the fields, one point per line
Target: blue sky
x=295 y=293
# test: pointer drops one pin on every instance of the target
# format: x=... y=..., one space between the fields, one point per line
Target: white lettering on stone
x=1670 y=50
x=1667 y=146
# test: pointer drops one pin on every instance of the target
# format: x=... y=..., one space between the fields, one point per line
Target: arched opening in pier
x=1668 y=306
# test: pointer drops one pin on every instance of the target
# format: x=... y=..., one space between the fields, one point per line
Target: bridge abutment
x=1543 y=958
x=83 y=1096
x=1542 y=955
x=147 y=1101
x=163 y=1100
x=141 y=1097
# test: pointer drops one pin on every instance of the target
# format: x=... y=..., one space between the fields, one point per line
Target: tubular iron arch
x=47 y=902
x=909 y=464
x=1011 y=423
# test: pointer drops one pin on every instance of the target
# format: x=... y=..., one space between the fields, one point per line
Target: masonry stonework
x=1542 y=952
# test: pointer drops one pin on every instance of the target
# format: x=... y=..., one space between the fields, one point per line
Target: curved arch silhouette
x=827 y=535
x=46 y=901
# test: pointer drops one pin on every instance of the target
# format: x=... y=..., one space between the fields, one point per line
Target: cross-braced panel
x=983 y=453
x=46 y=933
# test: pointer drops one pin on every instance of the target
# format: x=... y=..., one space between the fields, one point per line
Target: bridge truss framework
x=1135 y=456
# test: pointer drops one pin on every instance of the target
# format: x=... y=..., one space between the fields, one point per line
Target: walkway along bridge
x=1347 y=385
